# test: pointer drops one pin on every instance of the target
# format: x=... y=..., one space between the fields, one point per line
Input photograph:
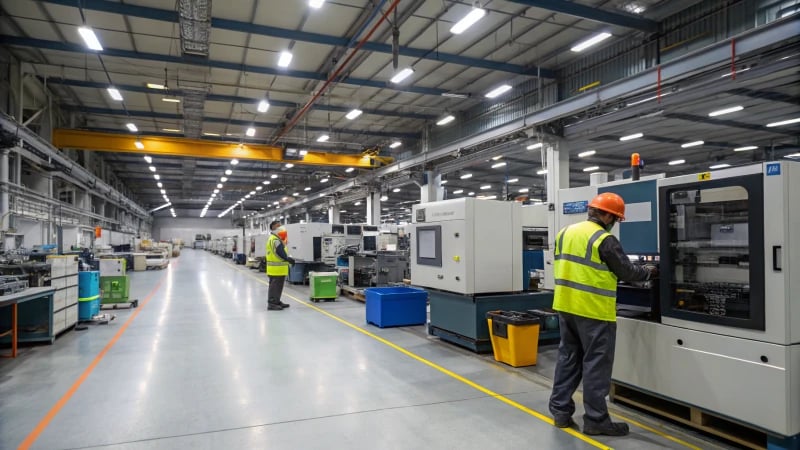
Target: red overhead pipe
x=335 y=74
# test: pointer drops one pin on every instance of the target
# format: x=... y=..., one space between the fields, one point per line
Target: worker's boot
x=610 y=429
x=274 y=306
x=285 y=305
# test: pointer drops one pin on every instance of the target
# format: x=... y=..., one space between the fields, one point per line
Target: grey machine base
x=461 y=319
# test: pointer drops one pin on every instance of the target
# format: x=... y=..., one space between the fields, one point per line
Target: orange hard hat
x=610 y=203
x=283 y=234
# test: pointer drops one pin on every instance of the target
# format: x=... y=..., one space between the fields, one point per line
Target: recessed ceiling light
x=353 y=114
x=498 y=91
x=513 y=180
x=534 y=146
x=349 y=169
x=591 y=169
x=692 y=144
x=228 y=171
x=114 y=94
x=289 y=166
x=676 y=162
x=541 y=172
x=263 y=106
x=323 y=138
x=458 y=191
x=721 y=112
x=219 y=185
x=466 y=176
x=90 y=39
x=223 y=179
x=497 y=165
x=132 y=127
x=402 y=75
x=152 y=168
x=395 y=144
x=316 y=4
x=250 y=132
x=523 y=190
x=783 y=122
x=719 y=166
x=586 y=153
x=594 y=40
x=157 y=176
x=631 y=137
x=285 y=59
x=159 y=184
x=445 y=120
x=467 y=21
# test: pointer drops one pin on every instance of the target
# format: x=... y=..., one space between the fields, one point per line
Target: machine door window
x=713 y=260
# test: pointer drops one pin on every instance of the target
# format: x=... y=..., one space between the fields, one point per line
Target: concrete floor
x=202 y=364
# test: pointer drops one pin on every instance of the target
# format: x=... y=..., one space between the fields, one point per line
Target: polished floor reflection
x=204 y=365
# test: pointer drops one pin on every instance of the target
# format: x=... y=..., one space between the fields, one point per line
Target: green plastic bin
x=323 y=285
x=115 y=289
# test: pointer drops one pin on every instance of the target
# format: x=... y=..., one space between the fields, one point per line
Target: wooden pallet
x=693 y=417
x=355 y=294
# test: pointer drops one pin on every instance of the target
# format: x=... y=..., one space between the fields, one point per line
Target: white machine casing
x=301 y=238
x=333 y=245
x=260 y=245
x=716 y=367
x=481 y=246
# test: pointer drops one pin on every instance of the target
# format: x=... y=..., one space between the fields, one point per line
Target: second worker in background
x=278 y=262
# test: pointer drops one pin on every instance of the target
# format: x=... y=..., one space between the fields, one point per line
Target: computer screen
x=337 y=229
x=370 y=244
x=429 y=246
x=354 y=230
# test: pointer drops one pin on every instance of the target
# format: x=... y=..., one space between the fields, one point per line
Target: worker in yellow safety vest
x=588 y=262
x=278 y=262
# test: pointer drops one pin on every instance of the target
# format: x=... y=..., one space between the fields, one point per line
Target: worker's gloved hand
x=653 y=271
x=291 y=261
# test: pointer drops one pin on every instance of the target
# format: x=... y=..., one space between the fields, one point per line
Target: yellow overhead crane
x=199 y=148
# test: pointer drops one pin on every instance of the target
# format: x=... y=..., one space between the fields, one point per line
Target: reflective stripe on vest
x=584 y=284
x=276 y=266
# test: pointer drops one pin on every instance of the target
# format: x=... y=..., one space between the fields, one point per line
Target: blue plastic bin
x=396 y=306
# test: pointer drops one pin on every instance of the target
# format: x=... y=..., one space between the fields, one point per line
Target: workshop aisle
x=202 y=364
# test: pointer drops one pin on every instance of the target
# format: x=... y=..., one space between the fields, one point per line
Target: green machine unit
x=115 y=291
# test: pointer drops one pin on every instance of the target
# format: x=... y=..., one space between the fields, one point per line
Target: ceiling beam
x=197 y=148
x=204 y=62
x=302 y=36
x=576 y=9
x=243 y=123
x=228 y=98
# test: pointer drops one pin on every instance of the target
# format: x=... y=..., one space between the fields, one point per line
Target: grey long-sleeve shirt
x=614 y=256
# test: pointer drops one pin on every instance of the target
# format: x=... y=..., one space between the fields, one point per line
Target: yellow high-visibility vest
x=276 y=266
x=584 y=285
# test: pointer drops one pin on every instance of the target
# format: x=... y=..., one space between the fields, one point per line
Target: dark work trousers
x=586 y=350
x=275 y=289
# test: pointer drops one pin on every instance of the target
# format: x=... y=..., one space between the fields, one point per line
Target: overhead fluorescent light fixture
x=692 y=144
x=316 y=4
x=353 y=114
x=523 y=190
x=486 y=186
x=631 y=137
x=90 y=39
x=541 y=172
x=467 y=21
x=263 y=106
x=513 y=180
x=139 y=144
x=258 y=188
x=252 y=192
x=534 y=146
x=273 y=176
x=170 y=99
x=349 y=169
x=114 y=94
x=234 y=162
x=250 y=132
x=458 y=191
x=793 y=155
x=454 y=95
x=132 y=127
x=164 y=192
x=216 y=191
x=498 y=91
x=228 y=171
x=323 y=138
x=466 y=176
x=152 y=168
x=395 y=144
x=324 y=180
x=285 y=59
x=591 y=169
x=210 y=134
x=171 y=130
x=445 y=120
x=443 y=182
x=156 y=86
x=594 y=40
x=722 y=112
x=384 y=198
x=219 y=185
x=157 y=177
x=402 y=75
x=160 y=185
x=783 y=122
x=289 y=166
x=727 y=74
x=744 y=149
x=719 y=166
x=223 y=179
x=396 y=190
x=586 y=153
x=265 y=182
x=676 y=162
x=471 y=193
x=498 y=165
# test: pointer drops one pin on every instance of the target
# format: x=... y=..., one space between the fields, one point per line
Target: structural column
x=308 y=216
x=374 y=208
x=557 y=156
x=432 y=190
x=4 y=206
x=333 y=212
